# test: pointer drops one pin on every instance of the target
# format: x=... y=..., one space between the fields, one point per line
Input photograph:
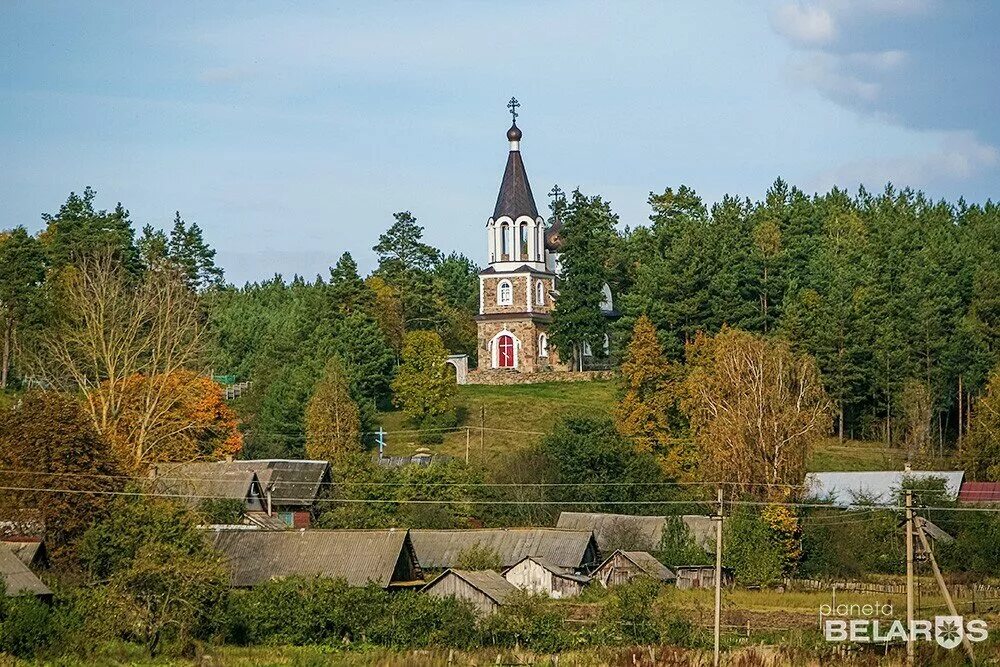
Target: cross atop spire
x=513 y=105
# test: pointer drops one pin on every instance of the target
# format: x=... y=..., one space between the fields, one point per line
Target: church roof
x=553 y=241
x=515 y=196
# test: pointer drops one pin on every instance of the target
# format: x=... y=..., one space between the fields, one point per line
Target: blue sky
x=292 y=131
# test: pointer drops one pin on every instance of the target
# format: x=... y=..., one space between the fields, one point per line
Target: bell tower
x=517 y=288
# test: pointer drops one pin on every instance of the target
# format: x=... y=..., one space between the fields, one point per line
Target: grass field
x=518 y=415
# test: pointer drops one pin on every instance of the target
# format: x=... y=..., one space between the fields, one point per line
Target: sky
x=291 y=132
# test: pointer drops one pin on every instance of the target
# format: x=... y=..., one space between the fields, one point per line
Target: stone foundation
x=507 y=376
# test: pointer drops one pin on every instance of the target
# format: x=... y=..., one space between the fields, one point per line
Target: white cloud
x=882 y=61
x=825 y=72
x=804 y=24
x=959 y=157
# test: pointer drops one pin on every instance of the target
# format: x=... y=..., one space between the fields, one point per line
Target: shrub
x=752 y=549
x=479 y=557
x=628 y=616
x=25 y=625
x=528 y=621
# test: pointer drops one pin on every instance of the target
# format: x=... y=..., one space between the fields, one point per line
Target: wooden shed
x=30 y=551
x=622 y=566
x=700 y=576
x=537 y=575
x=485 y=589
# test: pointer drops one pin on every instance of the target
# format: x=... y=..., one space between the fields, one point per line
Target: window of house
x=540 y=293
x=505 y=293
x=543 y=345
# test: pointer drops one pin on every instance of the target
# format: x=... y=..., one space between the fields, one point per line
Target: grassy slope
x=533 y=408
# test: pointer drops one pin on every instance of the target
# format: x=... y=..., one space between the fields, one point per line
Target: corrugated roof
x=979 y=492
x=198 y=481
x=17 y=578
x=293 y=482
x=648 y=564
x=847 y=488
x=647 y=529
x=565 y=548
x=27 y=551
x=358 y=556
x=488 y=582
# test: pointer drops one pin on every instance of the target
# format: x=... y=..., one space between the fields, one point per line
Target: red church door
x=505 y=352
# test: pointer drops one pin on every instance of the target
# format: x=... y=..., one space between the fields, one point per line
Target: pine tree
x=407 y=264
x=188 y=250
x=578 y=320
x=333 y=420
x=79 y=231
x=22 y=271
x=348 y=292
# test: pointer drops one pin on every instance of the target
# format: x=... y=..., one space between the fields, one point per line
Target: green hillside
x=517 y=415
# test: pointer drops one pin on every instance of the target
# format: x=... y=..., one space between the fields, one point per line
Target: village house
x=540 y=577
x=700 y=576
x=979 y=493
x=572 y=550
x=485 y=589
x=636 y=532
x=381 y=557
x=195 y=483
x=623 y=566
x=18 y=579
x=277 y=493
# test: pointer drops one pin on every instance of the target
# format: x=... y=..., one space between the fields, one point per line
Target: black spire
x=515 y=198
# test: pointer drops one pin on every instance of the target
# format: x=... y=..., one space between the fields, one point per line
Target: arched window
x=524 y=241
x=504 y=241
x=505 y=293
x=540 y=293
x=543 y=345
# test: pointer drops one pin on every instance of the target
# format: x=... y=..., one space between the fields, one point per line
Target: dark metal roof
x=568 y=549
x=292 y=482
x=382 y=557
x=488 y=582
x=553 y=241
x=17 y=578
x=515 y=198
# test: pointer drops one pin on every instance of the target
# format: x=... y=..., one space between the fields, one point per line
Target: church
x=518 y=290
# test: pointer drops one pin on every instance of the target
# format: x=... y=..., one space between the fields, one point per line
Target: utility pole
x=910 y=647
x=944 y=589
x=718 y=580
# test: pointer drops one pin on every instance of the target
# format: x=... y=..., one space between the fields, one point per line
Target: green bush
x=302 y=611
x=752 y=549
x=528 y=621
x=26 y=626
x=628 y=616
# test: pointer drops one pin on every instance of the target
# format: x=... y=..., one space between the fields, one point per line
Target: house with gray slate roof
x=572 y=550
x=360 y=557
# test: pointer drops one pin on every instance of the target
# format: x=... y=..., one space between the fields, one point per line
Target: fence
x=966 y=591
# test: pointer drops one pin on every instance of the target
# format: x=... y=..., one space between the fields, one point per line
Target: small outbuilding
x=622 y=566
x=700 y=576
x=541 y=577
x=18 y=579
x=485 y=589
